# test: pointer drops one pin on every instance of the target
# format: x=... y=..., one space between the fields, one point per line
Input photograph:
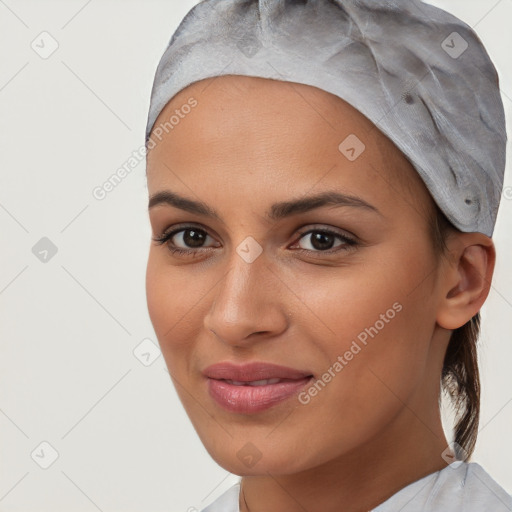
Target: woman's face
x=343 y=290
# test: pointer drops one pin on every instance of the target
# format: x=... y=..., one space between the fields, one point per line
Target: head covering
x=420 y=74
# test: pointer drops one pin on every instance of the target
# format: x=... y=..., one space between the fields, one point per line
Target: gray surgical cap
x=421 y=75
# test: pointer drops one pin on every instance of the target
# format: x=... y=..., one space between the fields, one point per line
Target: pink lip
x=246 y=399
x=252 y=371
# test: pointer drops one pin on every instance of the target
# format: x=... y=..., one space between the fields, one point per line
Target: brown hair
x=460 y=376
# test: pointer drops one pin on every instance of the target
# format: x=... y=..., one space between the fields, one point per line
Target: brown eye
x=192 y=238
x=183 y=240
x=324 y=240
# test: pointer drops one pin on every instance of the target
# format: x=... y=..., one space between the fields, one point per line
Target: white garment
x=460 y=487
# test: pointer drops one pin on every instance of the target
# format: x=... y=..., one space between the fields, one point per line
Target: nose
x=248 y=303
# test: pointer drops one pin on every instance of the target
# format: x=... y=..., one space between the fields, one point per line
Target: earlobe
x=467 y=281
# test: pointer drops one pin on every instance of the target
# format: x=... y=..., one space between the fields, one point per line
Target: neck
x=409 y=449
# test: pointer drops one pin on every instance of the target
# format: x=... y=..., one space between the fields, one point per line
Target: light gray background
x=69 y=325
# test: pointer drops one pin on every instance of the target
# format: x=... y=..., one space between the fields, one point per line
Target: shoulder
x=482 y=491
x=460 y=487
x=226 y=502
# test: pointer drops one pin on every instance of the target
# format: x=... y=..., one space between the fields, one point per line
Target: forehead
x=284 y=135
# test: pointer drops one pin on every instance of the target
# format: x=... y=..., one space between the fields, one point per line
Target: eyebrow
x=277 y=211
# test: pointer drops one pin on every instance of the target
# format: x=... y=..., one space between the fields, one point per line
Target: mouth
x=254 y=387
x=263 y=382
x=253 y=372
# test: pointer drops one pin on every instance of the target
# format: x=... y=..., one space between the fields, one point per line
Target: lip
x=248 y=399
x=257 y=370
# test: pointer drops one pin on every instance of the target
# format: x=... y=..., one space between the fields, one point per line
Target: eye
x=183 y=240
x=323 y=240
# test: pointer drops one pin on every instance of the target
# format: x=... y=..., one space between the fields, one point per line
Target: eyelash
x=165 y=237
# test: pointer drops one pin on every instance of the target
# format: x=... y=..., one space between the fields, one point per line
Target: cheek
x=380 y=322
x=385 y=295
x=173 y=304
x=368 y=381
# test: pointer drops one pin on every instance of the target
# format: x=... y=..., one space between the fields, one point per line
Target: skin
x=375 y=427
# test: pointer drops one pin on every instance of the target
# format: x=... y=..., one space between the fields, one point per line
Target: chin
x=244 y=458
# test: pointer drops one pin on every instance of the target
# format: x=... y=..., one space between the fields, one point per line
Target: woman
x=324 y=179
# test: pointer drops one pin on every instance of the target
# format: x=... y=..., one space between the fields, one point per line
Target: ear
x=467 y=277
